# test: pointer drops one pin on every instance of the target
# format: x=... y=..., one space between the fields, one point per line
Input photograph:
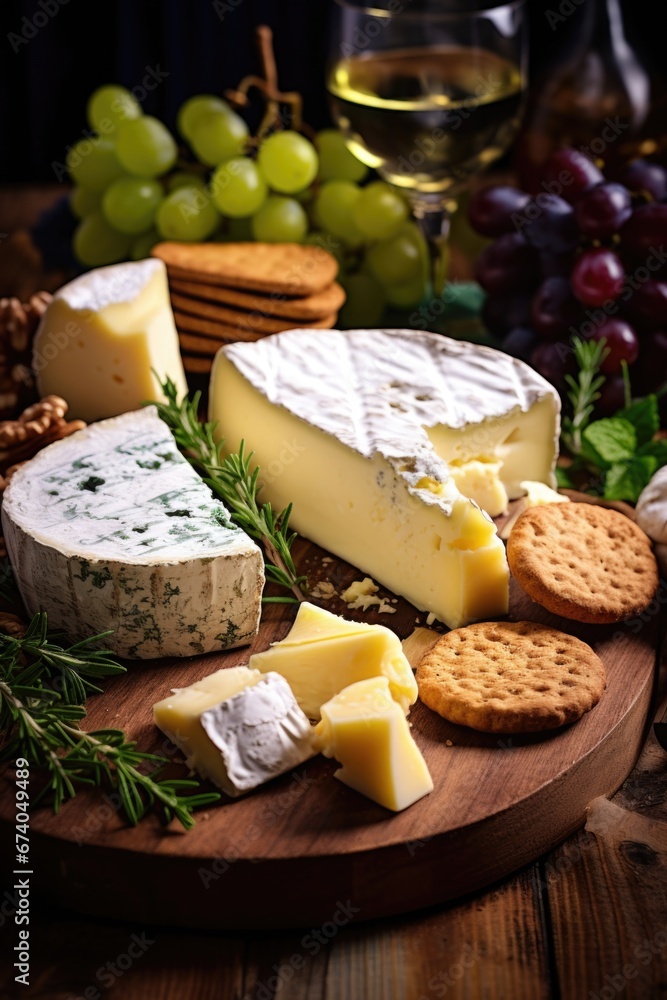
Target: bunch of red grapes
x=586 y=256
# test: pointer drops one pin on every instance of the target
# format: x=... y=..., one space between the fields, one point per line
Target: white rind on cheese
x=107 y=339
x=237 y=727
x=405 y=393
x=111 y=528
x=260 y=733
x=366 y=431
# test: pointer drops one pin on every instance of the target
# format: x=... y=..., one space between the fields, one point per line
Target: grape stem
x=267 y=85
x=188 y=167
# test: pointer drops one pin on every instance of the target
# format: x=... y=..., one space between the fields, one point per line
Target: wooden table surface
x=586 y=922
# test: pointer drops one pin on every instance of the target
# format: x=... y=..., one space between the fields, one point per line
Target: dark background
x=45 y=83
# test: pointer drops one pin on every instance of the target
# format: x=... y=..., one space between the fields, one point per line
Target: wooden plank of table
x=491 y=945
x=607 y=889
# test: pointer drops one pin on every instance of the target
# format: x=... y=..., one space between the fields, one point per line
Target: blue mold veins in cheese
x=111 y=528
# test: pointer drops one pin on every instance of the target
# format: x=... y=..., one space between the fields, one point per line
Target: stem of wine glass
x=433 y=215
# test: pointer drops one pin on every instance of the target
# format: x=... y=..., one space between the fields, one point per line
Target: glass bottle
x=600 y=97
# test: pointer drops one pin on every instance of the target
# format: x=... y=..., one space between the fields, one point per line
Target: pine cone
x=18 y=324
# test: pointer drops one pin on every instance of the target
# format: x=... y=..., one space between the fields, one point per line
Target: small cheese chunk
x=363 y=594
x=481 y=479
x=365 y=730
x=323 y=653
x=106 y=339
x=237 y=727
x=111 y=528
x=418 y=644
x=539 y=493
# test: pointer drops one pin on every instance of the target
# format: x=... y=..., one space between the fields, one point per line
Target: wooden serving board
x=307 y=850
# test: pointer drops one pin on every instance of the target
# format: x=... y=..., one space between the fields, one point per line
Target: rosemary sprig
x=238 y=487
x=583 y=390
x=43 y=687
x=619 y=453
x=73 y=666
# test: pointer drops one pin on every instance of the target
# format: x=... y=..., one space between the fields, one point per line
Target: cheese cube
x=322 y=654
x=237 y=727
x=366 y=731
x=106 y=339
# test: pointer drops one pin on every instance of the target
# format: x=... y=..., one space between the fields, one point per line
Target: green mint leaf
x=658 y=449
x=563 y=480
x=610 y=440
x=644 y=417
x=626 y=480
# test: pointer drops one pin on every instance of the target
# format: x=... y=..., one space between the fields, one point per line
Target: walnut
x=40 y=424
x=18 y=324
x=12 y=625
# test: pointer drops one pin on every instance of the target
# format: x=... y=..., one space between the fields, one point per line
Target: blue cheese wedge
x=111 y=528
x=237 y=727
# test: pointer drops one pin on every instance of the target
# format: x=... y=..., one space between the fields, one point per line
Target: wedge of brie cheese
x=373 y=434
x=106 y=339
x=237 y=727
x=112 y=528
x=366 y=731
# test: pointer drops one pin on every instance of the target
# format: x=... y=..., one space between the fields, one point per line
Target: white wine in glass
x=428 y=92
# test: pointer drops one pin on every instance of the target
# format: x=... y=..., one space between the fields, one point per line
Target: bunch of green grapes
x=128 y=196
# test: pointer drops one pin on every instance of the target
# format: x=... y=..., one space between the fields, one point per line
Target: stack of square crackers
x=224 y=292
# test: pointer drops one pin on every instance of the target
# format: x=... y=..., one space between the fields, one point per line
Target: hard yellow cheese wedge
x=365 y=729
x=107 y=340
x=322 y=654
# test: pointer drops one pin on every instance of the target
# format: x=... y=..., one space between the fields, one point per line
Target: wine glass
x=428 y=92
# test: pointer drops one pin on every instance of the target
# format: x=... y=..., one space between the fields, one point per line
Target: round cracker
x=300 y=310
x=203 y=346
x=583 y=562
x=287 y=268
x=510 y=677
x=256 y=322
